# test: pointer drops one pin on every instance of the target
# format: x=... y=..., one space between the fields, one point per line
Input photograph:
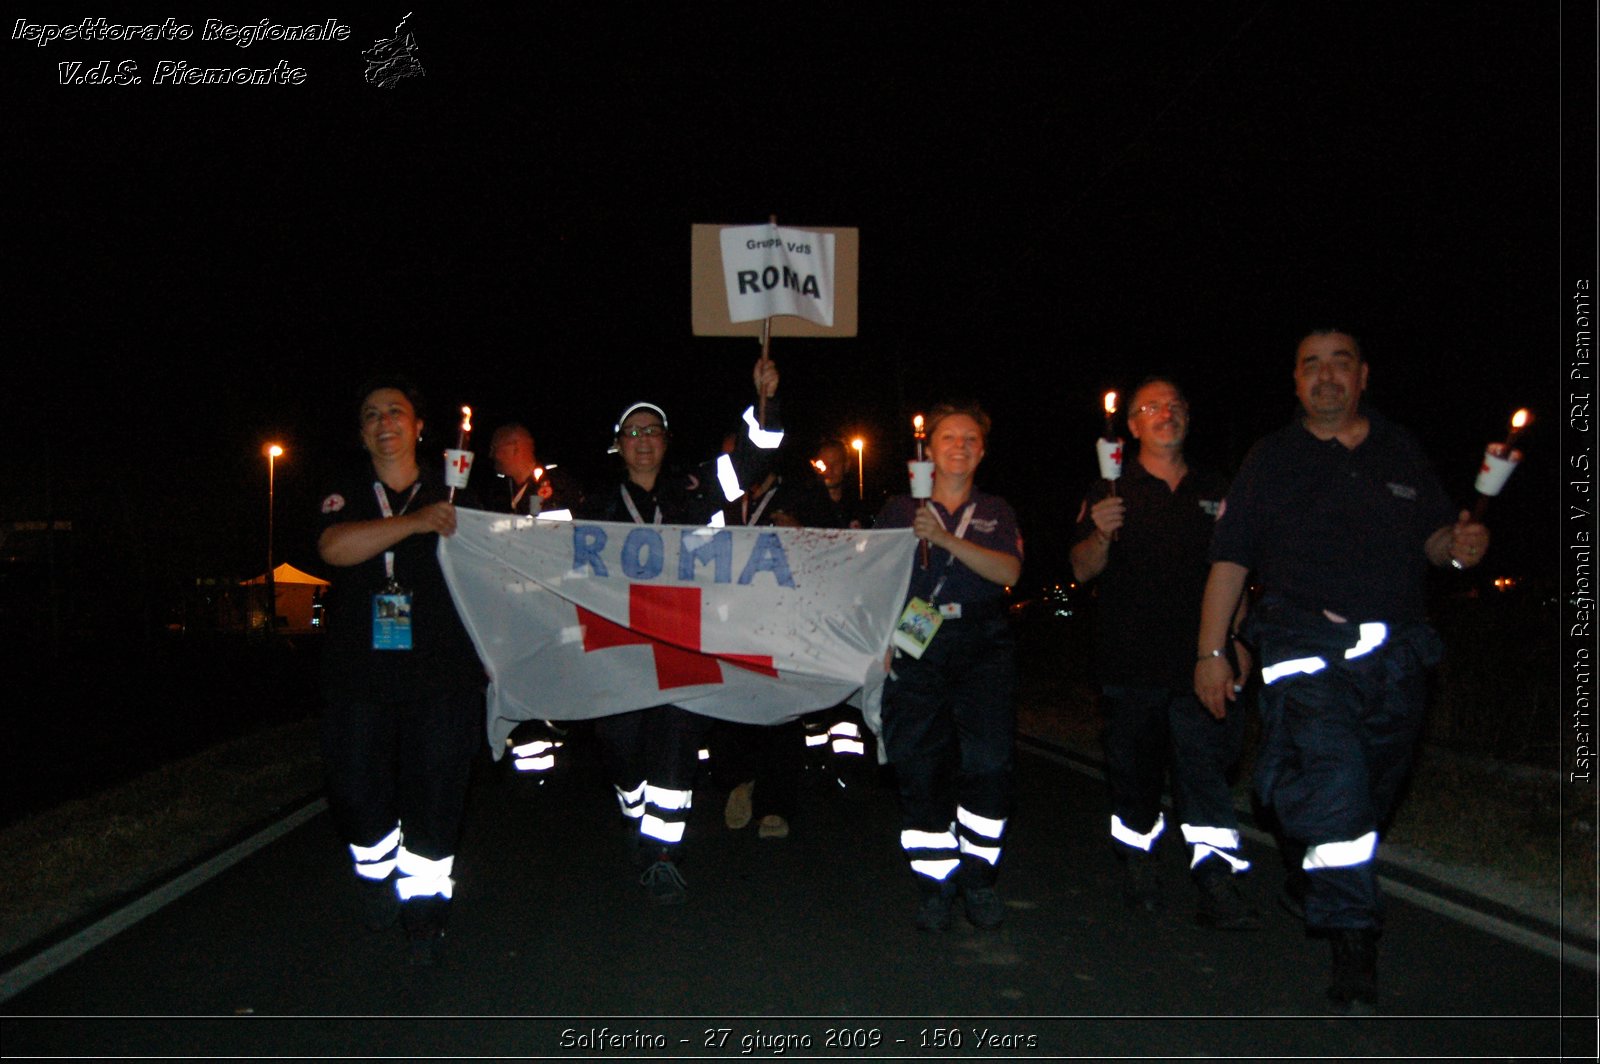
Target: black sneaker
x=934 y=912
x=1354 y=989
x=984 y=908
x=663 y=882
x=1292 y=895
x=1141 y=884
x=426 y=947
x=1223 y=904
x=377 y=904
x=424 y=919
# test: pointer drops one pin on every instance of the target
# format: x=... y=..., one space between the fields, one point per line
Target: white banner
x=771 y=270
x=749 y=624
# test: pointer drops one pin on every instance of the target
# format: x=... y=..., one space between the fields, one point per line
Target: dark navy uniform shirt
x=442 y=654
x=1147 y=607
x=993 y=525
x=1326 y=527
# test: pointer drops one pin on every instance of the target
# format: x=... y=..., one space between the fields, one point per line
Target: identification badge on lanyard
x=391 y=619
x=391 y=607
x=917 y=626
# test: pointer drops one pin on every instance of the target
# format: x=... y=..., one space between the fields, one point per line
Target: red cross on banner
x=668 y=620
x=462 y=462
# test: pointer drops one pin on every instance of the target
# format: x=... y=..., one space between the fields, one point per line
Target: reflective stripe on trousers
x=1346 y=854
x=1128 y=837
x=378 y=860
x=1223 y=842
x=666 y=812
x=980 y=836
x=933 y=854
x=421 y=877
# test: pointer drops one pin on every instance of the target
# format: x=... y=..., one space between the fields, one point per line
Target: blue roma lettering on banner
x=643 y=555
x=769 y=278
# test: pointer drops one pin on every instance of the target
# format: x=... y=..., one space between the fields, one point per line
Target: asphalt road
x=796 y=947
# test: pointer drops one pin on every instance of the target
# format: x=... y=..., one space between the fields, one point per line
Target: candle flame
x=819 y=465
x=917 y=423
x=1521 y=418
x=274 y=451
x=858 y=443
x=466 y=419
x=1111 y=403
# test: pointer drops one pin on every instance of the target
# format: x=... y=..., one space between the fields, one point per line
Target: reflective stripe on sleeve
x=766 y=439
x=727 y=478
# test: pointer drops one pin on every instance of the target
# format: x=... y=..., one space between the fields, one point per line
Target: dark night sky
x=1049 y=205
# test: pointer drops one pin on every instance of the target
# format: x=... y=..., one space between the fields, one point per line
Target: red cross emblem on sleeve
x=667 y=619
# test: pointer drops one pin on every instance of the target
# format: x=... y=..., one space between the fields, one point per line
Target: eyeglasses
x=649 y=432
x=1177 y=408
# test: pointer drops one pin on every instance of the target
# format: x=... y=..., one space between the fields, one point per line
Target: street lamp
x=273 y=453
x=861 y=473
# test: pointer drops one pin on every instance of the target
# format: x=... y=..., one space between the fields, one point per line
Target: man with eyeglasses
x=1147 y=545
x=1337 y=515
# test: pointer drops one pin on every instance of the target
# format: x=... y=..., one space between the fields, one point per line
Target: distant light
x=273 y=451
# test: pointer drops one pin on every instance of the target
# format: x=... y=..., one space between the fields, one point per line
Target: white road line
x=68 y=950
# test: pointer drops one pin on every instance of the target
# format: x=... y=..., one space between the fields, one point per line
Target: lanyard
x=627 y=500
x=388 y=511
x=761 y=508
x=960 y=533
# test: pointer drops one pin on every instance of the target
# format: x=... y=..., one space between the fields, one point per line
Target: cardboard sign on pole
x=794 y=273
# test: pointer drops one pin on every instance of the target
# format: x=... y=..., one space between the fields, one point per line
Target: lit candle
x=458 y=462
x=1499 y=460
x=1111 y=413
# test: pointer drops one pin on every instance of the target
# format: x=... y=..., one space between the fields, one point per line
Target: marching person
x=1147 y=545
x=652 y=754
x=530 y=487
x=1338 y=516
x=403 y=683
x=948 y=706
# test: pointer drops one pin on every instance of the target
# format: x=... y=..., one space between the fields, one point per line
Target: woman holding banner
x=948 y=712
x=652 y=754
x=401 y=679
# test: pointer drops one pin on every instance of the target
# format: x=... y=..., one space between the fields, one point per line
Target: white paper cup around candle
x=1494 y=473
x=1110 y=452
x=457 y=467
x=921 y=479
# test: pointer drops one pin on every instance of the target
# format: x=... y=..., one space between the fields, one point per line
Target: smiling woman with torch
x=402 y=683
x=948 y=713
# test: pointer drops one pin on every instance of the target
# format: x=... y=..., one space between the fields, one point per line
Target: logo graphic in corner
x=390 y=60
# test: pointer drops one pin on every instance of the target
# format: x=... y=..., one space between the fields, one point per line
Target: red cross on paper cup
x=457 y=467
